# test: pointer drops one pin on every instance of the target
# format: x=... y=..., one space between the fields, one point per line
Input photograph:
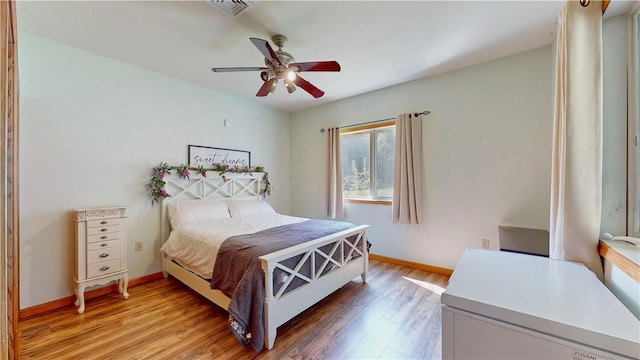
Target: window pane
x=354 y=149
x=385 y=150
x=634 y=174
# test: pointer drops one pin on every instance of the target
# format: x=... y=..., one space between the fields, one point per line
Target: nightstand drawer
x=103 y=244
x=100 y=255
x=103 y=237
x=103 y=268
x=103 y=229
x=103 y=222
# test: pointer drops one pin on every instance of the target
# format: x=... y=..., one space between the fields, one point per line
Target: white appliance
x=501 y=305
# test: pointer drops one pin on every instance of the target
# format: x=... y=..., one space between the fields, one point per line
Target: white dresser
x=501 y=305
x=101 y=250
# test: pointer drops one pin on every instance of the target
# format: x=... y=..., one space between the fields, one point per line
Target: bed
x=290 y=279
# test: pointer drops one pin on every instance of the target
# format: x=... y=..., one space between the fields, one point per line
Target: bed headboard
x=209 y=187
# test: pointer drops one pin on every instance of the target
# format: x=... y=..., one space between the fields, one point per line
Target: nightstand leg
x=80 y=297
x=122 y=284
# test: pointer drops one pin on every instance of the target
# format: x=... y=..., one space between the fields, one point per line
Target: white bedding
x=195 y=246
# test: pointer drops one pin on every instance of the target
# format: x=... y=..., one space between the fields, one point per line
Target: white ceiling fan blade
x=232 y=69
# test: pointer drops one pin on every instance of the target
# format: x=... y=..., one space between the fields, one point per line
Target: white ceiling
x=377 y=43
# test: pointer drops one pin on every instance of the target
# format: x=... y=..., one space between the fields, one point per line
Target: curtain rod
x=425 y=112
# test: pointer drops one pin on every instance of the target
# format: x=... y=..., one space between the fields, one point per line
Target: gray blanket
x=238 y=273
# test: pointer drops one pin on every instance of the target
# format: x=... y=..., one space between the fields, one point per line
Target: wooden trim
x=69 y=300
x=605 y=4
x=410 y=264
x=627 y=266
x=367 y=127
x=368 y=201
x=9 y=191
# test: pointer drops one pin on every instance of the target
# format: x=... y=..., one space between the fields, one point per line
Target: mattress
x=195 y=246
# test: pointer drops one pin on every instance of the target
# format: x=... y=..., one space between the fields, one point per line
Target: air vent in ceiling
x=233 y=8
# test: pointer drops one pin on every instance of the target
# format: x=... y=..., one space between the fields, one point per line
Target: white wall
x=91 y=130
x=486 y=156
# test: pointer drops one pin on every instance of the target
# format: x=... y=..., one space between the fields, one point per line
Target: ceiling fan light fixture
x=291 y=75
x=273 y=86
x=290 y=86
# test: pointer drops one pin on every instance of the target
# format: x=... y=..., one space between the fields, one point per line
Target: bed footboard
x=331 y=262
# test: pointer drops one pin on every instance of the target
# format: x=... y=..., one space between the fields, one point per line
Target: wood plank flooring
x=395 y=315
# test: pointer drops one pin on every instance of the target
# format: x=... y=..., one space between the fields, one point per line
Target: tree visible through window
x=367 y=155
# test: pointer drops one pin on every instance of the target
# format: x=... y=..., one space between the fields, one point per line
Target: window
x=634 y=128
x=621 y=125
x=367 y=156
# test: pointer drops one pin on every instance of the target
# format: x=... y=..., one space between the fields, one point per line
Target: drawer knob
x=104 y=244
x=104 y=255
x=103 y=237
x=104 y=229
x=104 y=268
x=103 y=222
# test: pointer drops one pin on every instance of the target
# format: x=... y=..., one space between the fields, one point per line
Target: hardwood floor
x=395 y=315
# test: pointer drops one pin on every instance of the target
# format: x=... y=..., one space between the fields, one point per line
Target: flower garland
x=157 y=184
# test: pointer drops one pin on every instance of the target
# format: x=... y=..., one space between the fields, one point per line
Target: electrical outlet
x=139 y=246
x=484 y=243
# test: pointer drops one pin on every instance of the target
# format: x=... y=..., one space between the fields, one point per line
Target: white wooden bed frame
x=278 y=307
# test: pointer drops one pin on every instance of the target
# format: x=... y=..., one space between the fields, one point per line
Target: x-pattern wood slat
x=293 y=273
x=245 y=187
x=191 y=188
x=217 y=189
x=353 y=247
x=198 y=189
x=328 y=259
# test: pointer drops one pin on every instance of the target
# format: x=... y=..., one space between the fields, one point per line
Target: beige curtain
x=407 y=179
x=9 y=238
x=577 y=137
x=335 y=204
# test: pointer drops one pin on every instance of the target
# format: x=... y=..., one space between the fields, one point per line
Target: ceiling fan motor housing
x=285 y=58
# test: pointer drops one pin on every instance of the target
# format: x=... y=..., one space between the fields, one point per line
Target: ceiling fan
x=280 y=65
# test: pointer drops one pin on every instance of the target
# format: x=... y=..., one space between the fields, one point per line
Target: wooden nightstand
x=101 y=250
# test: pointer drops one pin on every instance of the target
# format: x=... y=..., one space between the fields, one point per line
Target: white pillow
x=183 y=213
x=249 y=207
